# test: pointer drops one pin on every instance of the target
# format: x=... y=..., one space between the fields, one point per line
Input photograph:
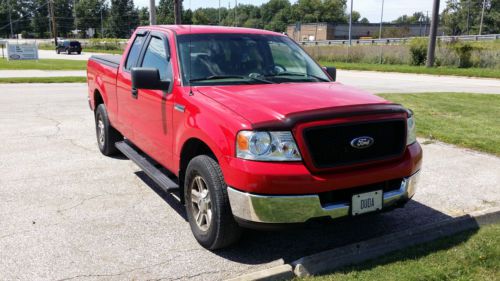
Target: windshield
x=229 y=59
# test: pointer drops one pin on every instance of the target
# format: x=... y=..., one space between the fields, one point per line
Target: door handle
x=135 y=93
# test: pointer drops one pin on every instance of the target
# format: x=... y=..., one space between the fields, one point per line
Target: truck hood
x=268 y=102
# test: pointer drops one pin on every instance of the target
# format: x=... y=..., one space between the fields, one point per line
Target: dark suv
x=69 y=47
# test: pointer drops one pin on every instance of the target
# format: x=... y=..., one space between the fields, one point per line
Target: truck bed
x=109 y=60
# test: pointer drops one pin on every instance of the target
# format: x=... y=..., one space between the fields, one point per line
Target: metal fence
x=400 y=40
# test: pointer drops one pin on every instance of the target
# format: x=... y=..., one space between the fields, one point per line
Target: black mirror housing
x=331 y=71
x=148 y=78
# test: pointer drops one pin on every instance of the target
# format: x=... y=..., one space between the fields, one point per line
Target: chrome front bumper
x=300 y=208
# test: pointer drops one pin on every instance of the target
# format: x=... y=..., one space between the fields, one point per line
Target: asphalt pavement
x=68 y=212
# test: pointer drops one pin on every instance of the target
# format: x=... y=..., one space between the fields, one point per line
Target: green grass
x=467 y=256
x=467 y=120
x=43 y=64
x=65 y=79
x=469 y=72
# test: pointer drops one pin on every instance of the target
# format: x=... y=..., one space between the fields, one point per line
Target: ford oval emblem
x=362 y=142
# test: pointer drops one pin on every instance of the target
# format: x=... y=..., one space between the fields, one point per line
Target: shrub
x=464 y=53
x=418 y=51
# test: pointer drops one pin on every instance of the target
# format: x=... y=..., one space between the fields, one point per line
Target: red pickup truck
x=249 y=130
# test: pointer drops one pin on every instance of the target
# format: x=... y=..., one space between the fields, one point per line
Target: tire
x=58 y=52
x=216 y=229
x=80 y=52
x=107 y=136
x=68 y=52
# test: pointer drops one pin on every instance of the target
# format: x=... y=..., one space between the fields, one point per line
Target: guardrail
x=400 y=40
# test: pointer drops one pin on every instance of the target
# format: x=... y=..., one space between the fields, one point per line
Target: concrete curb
x=281 y=272
x=330 y=260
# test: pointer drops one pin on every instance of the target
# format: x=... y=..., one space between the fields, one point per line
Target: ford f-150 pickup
x=249 y=131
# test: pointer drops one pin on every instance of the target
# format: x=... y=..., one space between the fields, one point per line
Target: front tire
x=207 y=204
x=107 y=136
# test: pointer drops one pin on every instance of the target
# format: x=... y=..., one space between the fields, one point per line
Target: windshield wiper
x=217 y=77
x=220 y=77
x=299 y=74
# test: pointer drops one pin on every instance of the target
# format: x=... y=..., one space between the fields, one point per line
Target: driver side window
x=156 y=57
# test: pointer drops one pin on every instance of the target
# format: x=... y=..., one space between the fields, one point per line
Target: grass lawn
x=468 y=120
x=43 y=64
x=470 y=72
x=466 y=256
x=65 y=79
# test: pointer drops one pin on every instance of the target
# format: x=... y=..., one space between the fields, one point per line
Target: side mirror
x=331 y=71
x=148 y=78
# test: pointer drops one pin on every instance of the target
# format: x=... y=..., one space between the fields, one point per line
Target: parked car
x=250 y=130
x=68 y=47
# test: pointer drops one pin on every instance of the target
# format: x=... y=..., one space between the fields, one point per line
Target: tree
x=199 y=17
x=355 y=16
x=123 y=18
x=464 y=17
x=144 y=16
x=166 y=12
x=40 y=18
x=88 y=13
x=63 y=11
x=364 y=21
x=20 y=12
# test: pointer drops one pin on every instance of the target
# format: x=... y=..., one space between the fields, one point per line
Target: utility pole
x=468 y=16
x=235 y=13
x=219 y=12
x=350 y=26
x=482 y=16
x=48 y=17
x=177 y=11
x=74 y=13
x=54 y=28
x=381 y=20
x=433 y=33
x=380 y=31
x=152 y=12
x=425 y=25
x=102 y=26
x=10 y=20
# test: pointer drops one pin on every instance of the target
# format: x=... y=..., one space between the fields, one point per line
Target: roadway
x=68 y=212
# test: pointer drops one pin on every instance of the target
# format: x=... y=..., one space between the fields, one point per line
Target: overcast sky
x=368 y=8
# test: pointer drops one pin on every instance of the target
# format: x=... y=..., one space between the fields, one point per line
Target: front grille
x=330 y=146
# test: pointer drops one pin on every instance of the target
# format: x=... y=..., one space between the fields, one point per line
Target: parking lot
x=68 y=212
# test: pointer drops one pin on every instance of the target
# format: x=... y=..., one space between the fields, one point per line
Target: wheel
x=107 y=136
x=207 y=204
x=68 y=52
x=58 y=52
x=80 y=52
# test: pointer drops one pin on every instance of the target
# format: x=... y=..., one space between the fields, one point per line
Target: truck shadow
x=292 y=243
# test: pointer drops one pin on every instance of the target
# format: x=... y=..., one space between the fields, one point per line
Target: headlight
x=267 y=146
x=411 y=134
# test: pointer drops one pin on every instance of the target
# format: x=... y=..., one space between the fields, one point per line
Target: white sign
x=22 y=51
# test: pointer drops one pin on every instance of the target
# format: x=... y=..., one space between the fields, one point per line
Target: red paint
x=215 y=114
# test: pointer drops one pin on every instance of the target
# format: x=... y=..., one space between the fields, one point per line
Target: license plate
x=366 y=202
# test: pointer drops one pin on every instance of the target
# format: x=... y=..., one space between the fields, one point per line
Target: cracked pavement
x=69 y=213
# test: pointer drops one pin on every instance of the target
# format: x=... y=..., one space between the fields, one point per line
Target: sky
x=368 y=8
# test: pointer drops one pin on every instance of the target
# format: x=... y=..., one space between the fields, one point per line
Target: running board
x=147 y=166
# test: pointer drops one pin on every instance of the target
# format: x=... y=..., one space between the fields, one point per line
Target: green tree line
x=118 y=18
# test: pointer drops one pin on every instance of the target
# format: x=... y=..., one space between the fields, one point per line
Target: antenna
x=190 y=57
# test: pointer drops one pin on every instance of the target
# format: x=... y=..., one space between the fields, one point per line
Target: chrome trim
x=300 y=208
x=180 y=108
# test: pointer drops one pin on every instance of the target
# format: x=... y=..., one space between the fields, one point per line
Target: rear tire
x=207 y=204
x=107 y=136
x=80 y=52
x=68 y=52
x=58 y=52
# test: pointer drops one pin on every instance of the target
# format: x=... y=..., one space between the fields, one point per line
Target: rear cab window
x=135 y=51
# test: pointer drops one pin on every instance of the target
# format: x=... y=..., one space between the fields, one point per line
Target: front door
x=153 y=108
